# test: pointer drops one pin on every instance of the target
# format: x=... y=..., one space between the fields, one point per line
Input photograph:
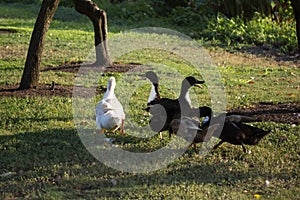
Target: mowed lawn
x=43 y=157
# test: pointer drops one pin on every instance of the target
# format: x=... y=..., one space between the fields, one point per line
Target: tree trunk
x=296 y=8
x=99 y=20
x=31 y=71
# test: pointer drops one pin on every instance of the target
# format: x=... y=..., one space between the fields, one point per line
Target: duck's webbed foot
x=101 y=131
x=194 y=146
x=122 y=131
x=244 y=148
x=160 y=135
x=217 y=145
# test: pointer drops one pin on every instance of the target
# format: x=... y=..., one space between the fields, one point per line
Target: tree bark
x=31 y=71
x=99 y=20
x=296 y=8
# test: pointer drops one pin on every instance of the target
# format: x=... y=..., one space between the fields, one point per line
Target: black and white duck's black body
x=235 y=130
x=164 y=110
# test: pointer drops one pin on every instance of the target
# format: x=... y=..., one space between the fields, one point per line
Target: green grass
x=42 y=156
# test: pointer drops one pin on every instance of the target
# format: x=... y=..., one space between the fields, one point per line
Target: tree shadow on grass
x=276 y=53
x=56 y=160
x=26 y=151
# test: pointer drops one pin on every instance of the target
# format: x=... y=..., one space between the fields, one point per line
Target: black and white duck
x=164 y=110
x=109 y=111
x=235 y=130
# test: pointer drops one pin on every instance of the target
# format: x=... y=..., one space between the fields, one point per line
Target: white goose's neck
x=110 y=91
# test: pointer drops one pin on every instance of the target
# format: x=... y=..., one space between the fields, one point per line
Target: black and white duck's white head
x=186 y=84
x=189 y=82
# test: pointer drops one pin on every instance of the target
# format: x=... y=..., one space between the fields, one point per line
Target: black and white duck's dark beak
x=199 y=84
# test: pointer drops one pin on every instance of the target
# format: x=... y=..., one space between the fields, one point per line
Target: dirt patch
x=41 y=90
x=272 y=52
x=62 y=90
x=7 y=31
x=257 y=56
x=74 y=67
x=282 y=112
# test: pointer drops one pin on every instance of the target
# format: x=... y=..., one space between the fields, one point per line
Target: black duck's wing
x=253 y=134
x=241 y=118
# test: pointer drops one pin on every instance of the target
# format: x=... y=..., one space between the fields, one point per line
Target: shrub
x=259 y=31
x=184 y=16
x=22 y=1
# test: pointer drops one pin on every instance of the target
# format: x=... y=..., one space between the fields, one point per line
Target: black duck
x=235 y=130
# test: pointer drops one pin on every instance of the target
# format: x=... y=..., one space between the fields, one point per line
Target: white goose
x=109 y=111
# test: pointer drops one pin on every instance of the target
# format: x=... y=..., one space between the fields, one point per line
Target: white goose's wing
x=117 y=107
x=109 y=113
x=112 y=106
x=101 y=109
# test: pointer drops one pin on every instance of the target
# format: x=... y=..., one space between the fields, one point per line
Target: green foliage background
x=229 y=23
